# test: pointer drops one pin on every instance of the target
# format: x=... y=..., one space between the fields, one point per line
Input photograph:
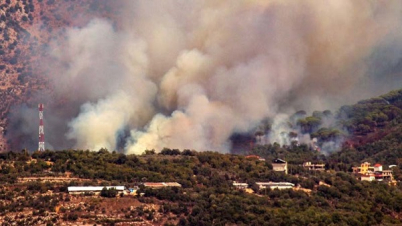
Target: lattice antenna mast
x=41 y=146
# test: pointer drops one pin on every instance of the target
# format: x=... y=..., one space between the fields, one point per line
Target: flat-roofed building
x=172 y=184
x=241 y=186
x=77 y=190
x=310 y=166
x=387 y=175
x=275 y=185
x=364 y=168
x=156 y=185
x=367 y=177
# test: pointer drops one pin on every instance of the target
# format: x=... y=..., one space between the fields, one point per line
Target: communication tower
x=41 y=146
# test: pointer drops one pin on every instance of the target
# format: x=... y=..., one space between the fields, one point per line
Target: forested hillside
x=376 y=126
x=380 y=141
x=207 y=197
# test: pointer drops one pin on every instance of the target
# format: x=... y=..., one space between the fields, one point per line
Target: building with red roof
x=377 y=167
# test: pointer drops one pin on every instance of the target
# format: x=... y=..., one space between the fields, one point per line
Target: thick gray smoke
x=189 y=74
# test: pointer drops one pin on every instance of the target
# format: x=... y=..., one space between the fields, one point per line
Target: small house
x=280 y=165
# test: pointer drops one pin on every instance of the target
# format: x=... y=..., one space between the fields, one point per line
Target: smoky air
x=191 y=74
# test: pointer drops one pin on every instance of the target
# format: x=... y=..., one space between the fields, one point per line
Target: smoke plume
x=189 y=74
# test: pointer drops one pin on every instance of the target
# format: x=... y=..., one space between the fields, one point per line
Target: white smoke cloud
x=104 y=71
x=202 y=126
x=189 y=74
x=98 y=124
x=280 y=130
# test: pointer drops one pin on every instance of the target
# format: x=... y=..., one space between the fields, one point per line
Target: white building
x=317 y=167
x=241 y=186
x=377 y=167
x=367 y=177
x=275 y=185
x=77 y=190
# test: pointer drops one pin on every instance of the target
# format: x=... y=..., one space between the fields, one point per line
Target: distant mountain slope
x=376 y=132
x=26 y=29
x=371 y=130
x=370 y=115
x=384 y=147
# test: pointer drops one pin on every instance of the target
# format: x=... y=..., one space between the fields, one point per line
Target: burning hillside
x=190 y=74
